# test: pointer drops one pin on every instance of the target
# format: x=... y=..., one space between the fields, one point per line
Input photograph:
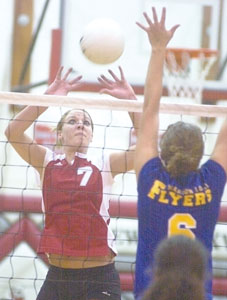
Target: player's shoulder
x=99 y=158
x=52 y=157
x=212 y=167
x=152 y=166
x=213 y=172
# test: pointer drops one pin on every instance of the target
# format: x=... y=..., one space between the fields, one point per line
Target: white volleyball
x=102 y=41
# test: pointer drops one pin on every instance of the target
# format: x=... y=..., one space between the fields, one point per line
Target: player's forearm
x=135 y=117
x=22 y=121
x=153 y=84
x=220 y=149
x=224 y=129
x=222 y=136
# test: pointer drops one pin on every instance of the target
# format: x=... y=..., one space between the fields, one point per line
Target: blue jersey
x=166 y=206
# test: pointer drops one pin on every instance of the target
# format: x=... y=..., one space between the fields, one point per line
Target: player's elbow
x=7 y=133
x=11 y=135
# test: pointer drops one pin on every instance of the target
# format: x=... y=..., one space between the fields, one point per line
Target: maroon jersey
x=76 y=203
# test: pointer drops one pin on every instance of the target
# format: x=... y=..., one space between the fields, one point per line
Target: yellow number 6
x=181 y=224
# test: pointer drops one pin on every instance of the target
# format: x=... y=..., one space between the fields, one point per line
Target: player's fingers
x=141 y=26
x=174 y=28
x=75 y=80
x=104 y=83
x=106 y=79
x=59 y=72
x=75 y=86
x=163 y=17
x=149 y=22
x=113 y=75
x=155 y=18
x=67 y=74
x=121 y=73
x=105 y=91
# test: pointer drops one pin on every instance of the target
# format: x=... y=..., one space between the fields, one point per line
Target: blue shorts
x=100 y=283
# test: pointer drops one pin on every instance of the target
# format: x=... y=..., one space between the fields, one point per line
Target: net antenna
x=186 y=70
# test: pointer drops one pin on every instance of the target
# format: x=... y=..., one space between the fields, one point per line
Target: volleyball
x=102 y=41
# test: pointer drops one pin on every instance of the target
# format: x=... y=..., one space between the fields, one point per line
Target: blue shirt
x=166 y=206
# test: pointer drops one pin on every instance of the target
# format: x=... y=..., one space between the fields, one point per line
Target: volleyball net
x=22 y=271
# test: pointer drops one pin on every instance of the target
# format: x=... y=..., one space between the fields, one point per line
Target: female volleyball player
x=179 y=269
x=76 y=191
x=175 y=196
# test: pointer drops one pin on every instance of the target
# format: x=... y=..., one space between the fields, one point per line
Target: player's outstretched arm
x=119 y=87
x=159 y=37
x=220 y=150
x=24 y=145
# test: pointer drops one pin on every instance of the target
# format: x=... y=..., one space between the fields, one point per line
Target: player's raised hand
x=116 y=87
x=157 y=33
x=61 y=86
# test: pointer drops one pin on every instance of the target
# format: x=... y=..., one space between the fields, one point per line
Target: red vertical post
x=55 y=56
